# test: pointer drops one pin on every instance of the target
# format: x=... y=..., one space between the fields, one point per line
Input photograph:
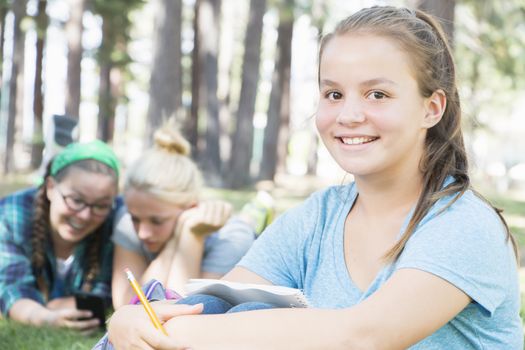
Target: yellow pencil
x=144 y=301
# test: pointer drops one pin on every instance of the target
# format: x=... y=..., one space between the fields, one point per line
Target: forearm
x=159 y=268
x=31 y=312
x=186 y=261
x=122 y=297
x=270 y=329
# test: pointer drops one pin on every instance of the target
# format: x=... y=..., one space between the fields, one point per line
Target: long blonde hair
x=165 y=170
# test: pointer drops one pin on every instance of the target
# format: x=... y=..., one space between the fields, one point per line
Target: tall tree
x=276 y=133
x=112 y=57
x=242 y=145
x=74 y=30
x=319 y=13
x=192 y=122
x=106 y=102
x=4 y=7
x=166 y=77
x=19 y=12
x=208 y=37
x=444 y=10
x=37 y=144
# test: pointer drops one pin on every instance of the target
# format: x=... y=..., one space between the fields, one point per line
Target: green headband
x=74 y=152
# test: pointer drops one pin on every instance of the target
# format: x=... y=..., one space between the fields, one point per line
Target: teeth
x=356 y=140
x=76 y=226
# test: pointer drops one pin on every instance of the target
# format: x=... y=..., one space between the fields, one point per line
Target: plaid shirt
x=17 y=279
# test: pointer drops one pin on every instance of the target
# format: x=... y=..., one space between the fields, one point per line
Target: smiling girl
x=55 y=239
x=407 y=255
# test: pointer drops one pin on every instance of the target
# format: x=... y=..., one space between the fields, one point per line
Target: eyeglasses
x=76 y=204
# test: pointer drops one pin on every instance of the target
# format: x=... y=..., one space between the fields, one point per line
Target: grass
x=21 y=337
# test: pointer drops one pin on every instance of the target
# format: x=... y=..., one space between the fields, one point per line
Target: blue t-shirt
x=465 y=245
x=222 y=249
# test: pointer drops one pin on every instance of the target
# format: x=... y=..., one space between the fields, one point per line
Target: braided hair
x=42 y=227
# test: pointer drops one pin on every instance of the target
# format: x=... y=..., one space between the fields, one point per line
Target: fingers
x=168 y=311
x=217 y=212
x=212 y=214
x=83 y=324
x=81 y=320
x=159 y=341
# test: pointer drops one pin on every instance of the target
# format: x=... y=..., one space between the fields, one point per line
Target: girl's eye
x=77 y=201
x=376 y=95
x=157 y=221
x=334 y=95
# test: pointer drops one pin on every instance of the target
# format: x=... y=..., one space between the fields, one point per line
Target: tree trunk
x=37 y=144
x=276 y=133
x=242 y=145
x=3 y=14
x=209 y=18
x=192 y=122
x=444 y=11
x=19 y=11
x=166 y=76
x=106 y=105
x=74 y=30
x=319 y=16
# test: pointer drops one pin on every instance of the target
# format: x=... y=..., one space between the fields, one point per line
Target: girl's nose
x=144 y=231
x=350 y=112
x=85 y=214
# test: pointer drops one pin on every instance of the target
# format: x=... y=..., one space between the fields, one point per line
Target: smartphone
x=93 y=302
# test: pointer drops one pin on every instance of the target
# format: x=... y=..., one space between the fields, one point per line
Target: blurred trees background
x=238 y=77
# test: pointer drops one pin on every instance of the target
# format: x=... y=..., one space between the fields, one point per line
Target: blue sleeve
x=465 y=245
x=124 y=233
x=224 y=248
x=16 y=274
x=279 y=254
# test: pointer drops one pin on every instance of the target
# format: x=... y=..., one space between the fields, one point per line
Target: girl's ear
x=191 y=205
x=50 y=185
x=435 y=106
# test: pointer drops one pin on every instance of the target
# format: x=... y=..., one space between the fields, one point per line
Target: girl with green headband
x=55 y=240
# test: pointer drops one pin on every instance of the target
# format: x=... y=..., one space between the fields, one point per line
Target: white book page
x=236 y=293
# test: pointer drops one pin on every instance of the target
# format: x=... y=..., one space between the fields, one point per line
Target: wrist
x=42 y=317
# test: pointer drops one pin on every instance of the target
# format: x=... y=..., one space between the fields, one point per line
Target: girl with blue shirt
x=407 y=255
x=166 y=231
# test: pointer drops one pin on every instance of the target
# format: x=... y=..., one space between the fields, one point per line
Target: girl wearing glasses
x=55 y=239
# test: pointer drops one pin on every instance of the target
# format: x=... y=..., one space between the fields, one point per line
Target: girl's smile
x=371 y=113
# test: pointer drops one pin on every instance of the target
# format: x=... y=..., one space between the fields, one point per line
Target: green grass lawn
x=21 y=337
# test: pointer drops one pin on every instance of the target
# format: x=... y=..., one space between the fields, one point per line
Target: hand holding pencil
x=144 y=301
x=128 y=328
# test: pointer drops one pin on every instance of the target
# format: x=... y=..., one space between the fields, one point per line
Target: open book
x=237 y=293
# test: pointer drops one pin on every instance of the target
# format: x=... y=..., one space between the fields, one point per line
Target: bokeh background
x=239 y=78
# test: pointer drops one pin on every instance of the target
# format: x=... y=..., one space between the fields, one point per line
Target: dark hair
x=423 y=39
x=42 y=227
